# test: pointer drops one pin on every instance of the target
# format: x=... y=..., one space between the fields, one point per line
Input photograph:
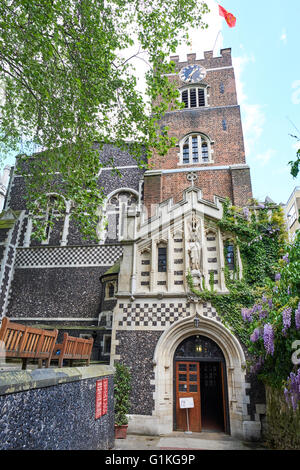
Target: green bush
x=122 y=387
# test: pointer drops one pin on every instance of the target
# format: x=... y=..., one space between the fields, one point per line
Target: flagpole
x=216 y=39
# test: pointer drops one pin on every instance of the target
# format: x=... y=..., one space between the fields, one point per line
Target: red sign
x=105 y=394
x=99 y=398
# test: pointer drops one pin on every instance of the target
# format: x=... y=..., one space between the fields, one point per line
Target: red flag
x=230 y=19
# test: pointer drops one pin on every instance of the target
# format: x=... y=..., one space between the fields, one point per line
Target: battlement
x=209 y=61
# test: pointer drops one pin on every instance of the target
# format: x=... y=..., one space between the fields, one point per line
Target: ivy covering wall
x=262 y=306
x=258 y=232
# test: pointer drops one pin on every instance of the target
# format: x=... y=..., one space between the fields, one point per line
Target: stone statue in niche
x=195 y=253
x=194 y=250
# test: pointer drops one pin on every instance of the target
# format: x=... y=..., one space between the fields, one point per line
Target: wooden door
x=188 y=385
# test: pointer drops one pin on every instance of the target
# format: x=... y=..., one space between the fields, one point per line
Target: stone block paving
x=183 y=441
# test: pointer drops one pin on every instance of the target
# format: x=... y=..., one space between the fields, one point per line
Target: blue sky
x=265 y=51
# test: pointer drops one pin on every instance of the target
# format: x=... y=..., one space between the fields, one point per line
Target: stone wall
x=54 y=409
x=56 y=293
x=140 y=346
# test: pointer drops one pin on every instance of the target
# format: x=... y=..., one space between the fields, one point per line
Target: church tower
x=177 y=345
x=209 y=136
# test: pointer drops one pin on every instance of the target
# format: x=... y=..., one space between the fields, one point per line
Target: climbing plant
x=273 y=324
x=262 y=306
x=259 y=235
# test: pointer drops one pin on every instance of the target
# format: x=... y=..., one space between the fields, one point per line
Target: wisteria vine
x=273 y=323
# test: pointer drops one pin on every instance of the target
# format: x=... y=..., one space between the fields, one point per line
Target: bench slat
x=25 y=342
x=73 y=348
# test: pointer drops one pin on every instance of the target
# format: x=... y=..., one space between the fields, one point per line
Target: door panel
x=188 y=385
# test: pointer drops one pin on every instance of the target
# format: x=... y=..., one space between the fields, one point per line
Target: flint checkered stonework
x=157 y=316
x=103 y=255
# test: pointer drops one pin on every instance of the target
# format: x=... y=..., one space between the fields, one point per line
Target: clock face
x=192 y=73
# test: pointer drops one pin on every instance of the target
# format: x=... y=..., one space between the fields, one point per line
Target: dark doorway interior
x=212 y=410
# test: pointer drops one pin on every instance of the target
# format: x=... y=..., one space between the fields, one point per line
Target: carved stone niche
x=162 y=242
x=210 y=233
x=144 y=268
x=195 y=251
x=145 y=256
x=178 y=234
x=145 y=250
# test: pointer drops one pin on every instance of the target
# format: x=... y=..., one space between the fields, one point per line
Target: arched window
x=111 y=290
x=198 y=347
x=193 y=97
x=115 y=210
x=195 y=148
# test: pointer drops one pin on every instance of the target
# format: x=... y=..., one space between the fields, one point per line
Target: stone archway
x=164 y=371
x=199 y=375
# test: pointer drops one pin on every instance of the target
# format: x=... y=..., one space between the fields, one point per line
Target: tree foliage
x=68 y=83
x=295 y=164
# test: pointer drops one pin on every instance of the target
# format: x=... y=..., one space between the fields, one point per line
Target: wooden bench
x=73 y=348
x=24 y=342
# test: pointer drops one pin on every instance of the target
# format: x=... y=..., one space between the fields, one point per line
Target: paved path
x=181 y=440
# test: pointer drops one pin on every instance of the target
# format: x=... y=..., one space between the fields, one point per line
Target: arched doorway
x=199 y=374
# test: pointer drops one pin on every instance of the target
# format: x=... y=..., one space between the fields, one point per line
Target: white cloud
x=281 y=170
x=264 y=157
x=283 y=36
x=253 y=125
x=239 y=64
x=253 y=114
x=296 y=146
x=296 y=94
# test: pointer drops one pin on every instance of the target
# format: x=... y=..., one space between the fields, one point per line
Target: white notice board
x=187 y=402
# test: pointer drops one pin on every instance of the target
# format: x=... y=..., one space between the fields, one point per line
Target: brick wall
x=221 y=122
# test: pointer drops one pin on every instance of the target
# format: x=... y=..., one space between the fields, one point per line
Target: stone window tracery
x=194 y=149
x=115 y=211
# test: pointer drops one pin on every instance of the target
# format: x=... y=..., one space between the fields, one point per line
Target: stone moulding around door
x=163 y=369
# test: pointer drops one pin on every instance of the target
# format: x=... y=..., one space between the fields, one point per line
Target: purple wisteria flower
x=297 y=317
x=247 y=314
x=270 y=303
x=255 y=368
x=286 y=319
x=263 y=314
x=292 y=389
x=261 y=205
x=246 y=212
x=277 y=277
x=256 y=308
x=275 y=289
x=264 y=299
x=286 y=258
x=255 y=335
x=269 y=339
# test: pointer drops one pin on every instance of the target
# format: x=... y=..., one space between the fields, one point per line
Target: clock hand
x=190 y=74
